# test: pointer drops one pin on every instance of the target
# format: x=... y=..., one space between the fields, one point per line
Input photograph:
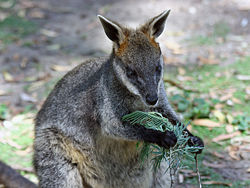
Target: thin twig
x=197 y=171
x=180 y=86
x=170 y=169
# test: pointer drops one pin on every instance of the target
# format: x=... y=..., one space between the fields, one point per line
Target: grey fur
x=80 y=140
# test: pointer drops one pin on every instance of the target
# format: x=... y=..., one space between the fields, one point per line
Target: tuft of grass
x=16 y=140
x=14 y=27
x=221 y=29
x=3 y=111
x=202 y=40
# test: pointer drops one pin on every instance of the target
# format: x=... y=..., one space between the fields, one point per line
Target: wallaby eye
x=158 y=69
x=131 y=73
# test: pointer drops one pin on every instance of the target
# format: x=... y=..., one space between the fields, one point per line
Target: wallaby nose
x=151 y=99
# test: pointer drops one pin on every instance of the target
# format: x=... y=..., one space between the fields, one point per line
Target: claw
x=196 y=141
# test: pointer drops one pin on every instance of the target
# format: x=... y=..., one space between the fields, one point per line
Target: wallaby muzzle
x=151 y=99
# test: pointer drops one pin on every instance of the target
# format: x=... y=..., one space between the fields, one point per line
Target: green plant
x=14 y=27
x=243 y=122
x=181 y=102
x=3 y=111
x=173 y=156
x=196 y=108
x=221 y=29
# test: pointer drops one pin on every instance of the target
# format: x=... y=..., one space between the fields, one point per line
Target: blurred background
x=206 y=49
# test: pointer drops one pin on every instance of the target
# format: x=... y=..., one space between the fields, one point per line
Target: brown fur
x=122 y=48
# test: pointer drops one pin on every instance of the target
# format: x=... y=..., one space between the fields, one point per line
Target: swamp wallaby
x=80 y=139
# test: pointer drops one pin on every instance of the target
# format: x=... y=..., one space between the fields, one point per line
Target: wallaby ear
x=156 y=25
x=112 y=29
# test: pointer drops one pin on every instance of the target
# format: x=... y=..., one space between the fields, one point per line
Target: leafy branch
x=173 y=156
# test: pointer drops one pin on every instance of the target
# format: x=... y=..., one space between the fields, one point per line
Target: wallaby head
x=137 y=60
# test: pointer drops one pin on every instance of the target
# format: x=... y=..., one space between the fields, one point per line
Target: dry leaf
x=181 y=71
x=213 y=165
x=48 y=33
x=209 y=61
x=219 y=155
x=219 y=106
x=213 y=95
x=174 y=47
x=11 y=143
x=61 y=68
x=225 y=136
x=36 y=14
x=21 y=168
x=36 y=85
x=171 y=60
x=229 y=128
x=237 y=101
x=226 y=97
x=229 y=118
x=241 y=140
x=8 y=77
x=24 y=152
x=3 y=93
x=233 y=152
x=247 y=90
x=27 y=98
x=219 y=115
x=27 y=4
x=206 y=123
x=216 y=183
x=54 y=47
x=189 y=128
x=185 y=78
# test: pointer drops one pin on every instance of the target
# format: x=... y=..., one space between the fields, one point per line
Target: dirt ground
x=69 y=32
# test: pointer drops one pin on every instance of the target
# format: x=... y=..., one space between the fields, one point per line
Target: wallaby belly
x=111 y=164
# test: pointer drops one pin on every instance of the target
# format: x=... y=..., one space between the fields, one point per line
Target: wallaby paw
x=168 y=139
x=196 y=141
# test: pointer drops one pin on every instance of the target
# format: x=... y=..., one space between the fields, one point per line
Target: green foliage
x=14 y=27
x=174 y=155
x=3 y=111
x=243 y=122
x=17 y=138
x=181 y=102
x=221 y=29
x=196 y=108
x=202 y=40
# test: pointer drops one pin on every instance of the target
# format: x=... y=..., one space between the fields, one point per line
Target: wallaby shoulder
x=76 y=84
x=86 y=73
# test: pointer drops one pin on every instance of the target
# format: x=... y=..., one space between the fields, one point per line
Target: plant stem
x=197 y=171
